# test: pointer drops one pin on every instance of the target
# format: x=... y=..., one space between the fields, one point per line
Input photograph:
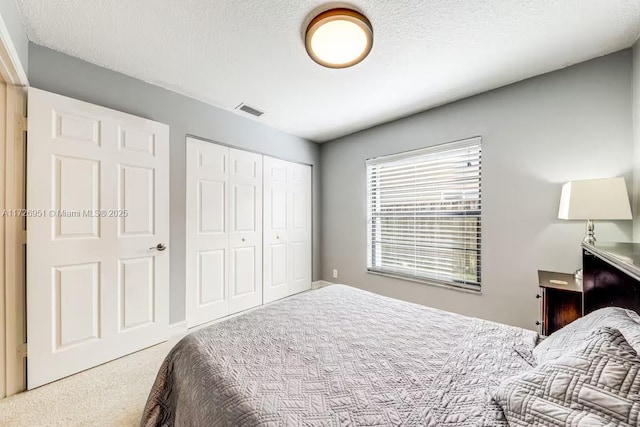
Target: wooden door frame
x=12 y=276
x=14 y=244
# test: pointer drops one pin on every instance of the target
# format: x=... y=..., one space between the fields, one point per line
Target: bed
x=340 y=356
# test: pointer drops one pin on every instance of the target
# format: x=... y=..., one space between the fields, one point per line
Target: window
x=424 y=214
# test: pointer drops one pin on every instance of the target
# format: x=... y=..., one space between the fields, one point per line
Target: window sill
x=468 y=289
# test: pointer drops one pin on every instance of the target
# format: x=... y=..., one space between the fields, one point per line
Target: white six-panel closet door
x=207 y=239
x=244 y=247
x=276 y=229
x=287 y=228
x=245 y=236
x=299 y=227
x=224 y=231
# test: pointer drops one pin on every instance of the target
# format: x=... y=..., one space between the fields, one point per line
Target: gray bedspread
x=339 y=356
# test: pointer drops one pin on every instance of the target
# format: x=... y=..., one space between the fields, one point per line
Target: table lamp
x=594 y=199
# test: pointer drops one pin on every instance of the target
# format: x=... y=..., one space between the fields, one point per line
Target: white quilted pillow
x=573 y=336
x=598 y=385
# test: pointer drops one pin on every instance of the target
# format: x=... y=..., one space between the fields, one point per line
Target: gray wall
x=13 y=22
x=636 y=141
x=537 y=135
x=62 y=74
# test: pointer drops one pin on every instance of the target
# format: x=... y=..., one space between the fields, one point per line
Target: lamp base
x=590 y=238
x=578 y=274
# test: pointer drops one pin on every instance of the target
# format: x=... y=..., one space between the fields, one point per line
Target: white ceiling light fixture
x=339 y=38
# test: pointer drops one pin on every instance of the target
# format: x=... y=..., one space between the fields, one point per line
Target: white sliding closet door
x=207 y=252
x=98 y=271
x=224 y=231
x=287 y=228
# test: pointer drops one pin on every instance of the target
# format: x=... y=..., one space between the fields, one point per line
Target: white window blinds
x=424 y=214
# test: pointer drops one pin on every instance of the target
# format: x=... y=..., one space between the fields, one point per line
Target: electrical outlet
x=335 y=273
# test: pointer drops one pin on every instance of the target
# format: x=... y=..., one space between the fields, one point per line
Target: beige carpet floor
x=112 y=394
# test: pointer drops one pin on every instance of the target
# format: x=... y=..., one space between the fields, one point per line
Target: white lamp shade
x=604 y=199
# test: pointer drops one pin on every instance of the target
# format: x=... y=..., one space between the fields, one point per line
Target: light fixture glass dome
x=339 y=38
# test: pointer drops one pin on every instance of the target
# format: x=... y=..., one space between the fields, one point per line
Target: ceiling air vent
x=249 y=110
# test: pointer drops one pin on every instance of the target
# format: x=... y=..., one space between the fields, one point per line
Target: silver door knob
x=159 y=247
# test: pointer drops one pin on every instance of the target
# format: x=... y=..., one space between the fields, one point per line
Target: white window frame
x=475 y=146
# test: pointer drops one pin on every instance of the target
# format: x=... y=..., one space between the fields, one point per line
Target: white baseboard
x=178 y=328
x=321 y=284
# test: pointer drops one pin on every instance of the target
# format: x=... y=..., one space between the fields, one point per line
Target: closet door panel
x=245 y=236
x=207 y=239
x=299 y=226
x=276 y=251
x=287 y=234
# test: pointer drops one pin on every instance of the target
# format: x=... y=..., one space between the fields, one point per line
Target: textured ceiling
x=425 y=53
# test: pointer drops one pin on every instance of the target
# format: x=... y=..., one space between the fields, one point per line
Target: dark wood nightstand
x=562 y=300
